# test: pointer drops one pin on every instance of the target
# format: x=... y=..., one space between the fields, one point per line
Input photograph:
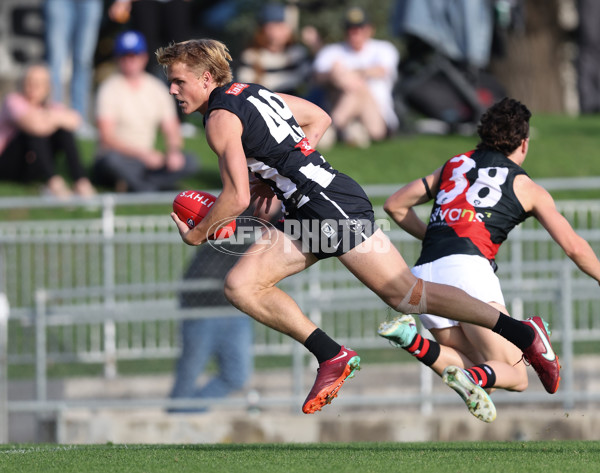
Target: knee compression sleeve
x=415 y=301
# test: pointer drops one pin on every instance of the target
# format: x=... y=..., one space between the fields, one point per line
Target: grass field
x=459 y=457
x=560 y=146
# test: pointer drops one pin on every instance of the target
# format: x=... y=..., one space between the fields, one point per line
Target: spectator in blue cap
x=132 y=107
x=130 y=42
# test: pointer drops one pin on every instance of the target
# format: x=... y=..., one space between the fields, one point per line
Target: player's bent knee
x=415 y=300
x=233 y=289
x=522 y=385
x=239 y=290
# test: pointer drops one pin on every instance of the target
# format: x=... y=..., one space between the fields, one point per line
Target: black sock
x=320 y=345
x=483 y=375
x=426 y=351
x=514 y=331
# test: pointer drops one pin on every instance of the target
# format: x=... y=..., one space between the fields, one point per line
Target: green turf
x=431 y=457
x=560 y=146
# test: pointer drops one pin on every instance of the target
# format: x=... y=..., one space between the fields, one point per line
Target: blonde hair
x=199 y=55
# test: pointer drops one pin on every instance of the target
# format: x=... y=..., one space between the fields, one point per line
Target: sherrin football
x=192 y=206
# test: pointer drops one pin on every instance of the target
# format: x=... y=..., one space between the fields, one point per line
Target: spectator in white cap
x=359 y=74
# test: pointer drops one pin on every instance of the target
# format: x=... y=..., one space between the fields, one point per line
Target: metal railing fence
x=103 y=286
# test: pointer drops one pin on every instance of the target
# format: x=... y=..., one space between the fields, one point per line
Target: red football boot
x=330 y=377
x=541 y=356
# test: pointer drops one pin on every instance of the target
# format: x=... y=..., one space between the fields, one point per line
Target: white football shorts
x=471 y=273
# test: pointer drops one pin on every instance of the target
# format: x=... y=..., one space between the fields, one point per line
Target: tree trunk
x=531 y=67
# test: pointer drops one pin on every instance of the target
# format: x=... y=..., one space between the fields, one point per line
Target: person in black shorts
x=265 y=143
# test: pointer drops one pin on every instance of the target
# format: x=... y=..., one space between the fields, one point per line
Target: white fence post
x=110 y=332
x=516 y=265
x=566 y=298
x=4 y=313
x=41 y=377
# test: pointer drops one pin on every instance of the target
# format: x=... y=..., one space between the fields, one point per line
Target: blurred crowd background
x=380 y=68
x=534 y=52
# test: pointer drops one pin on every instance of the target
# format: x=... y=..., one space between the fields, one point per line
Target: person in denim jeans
x=72 y=31
x=228 y=340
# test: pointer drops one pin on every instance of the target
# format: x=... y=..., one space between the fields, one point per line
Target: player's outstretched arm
x=539 y=202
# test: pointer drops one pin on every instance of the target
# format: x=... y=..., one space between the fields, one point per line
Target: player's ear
x=206 y=78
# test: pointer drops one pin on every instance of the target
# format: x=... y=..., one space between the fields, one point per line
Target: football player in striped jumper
x=266 y=148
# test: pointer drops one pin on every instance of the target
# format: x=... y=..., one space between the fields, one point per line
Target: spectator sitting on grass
x=131 y=107
x=359 y=74
x=34 y=131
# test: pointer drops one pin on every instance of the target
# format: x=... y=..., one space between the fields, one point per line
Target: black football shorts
x=334 y=220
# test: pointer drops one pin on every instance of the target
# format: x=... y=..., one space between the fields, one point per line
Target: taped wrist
x=415 y=300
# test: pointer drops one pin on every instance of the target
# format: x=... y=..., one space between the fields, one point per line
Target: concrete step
x=360 y=413
x=330 y=425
